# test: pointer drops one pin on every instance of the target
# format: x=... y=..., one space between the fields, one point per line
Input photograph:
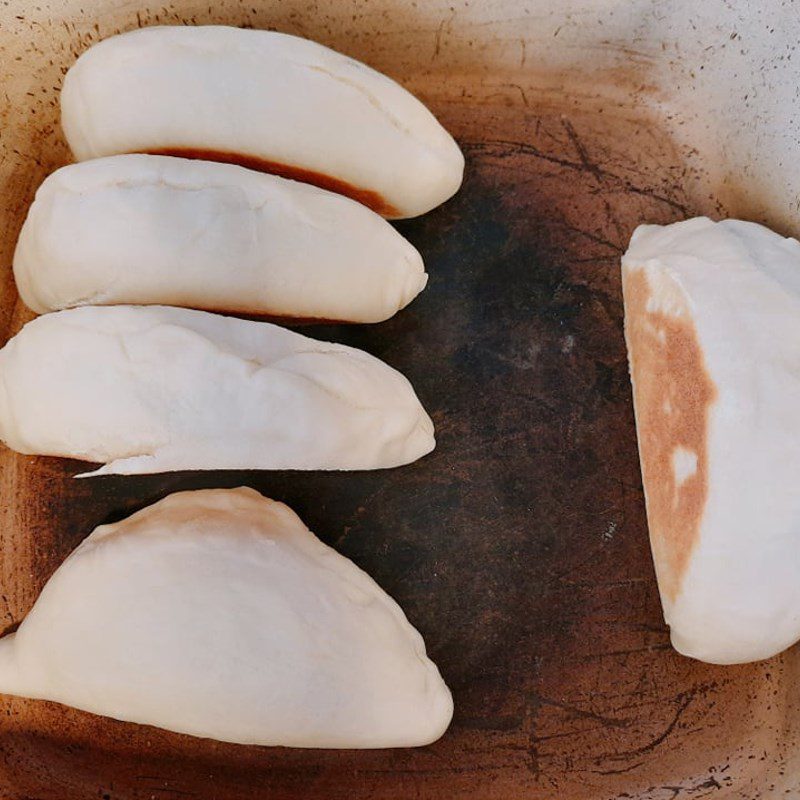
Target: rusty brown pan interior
x=519 y=547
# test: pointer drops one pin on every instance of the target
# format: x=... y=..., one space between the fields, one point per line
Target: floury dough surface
x=145 y=389
x=171 y=231
x=712 y=321
x=217 y=613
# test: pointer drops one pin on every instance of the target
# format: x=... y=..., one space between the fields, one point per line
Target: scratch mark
x=610 y=722
x=513 y=148
x=598 y=239
x=613 y=219
x=615 y=653
x=445 y=23
x=521 y=91
x=653 y=195
x=438 y=41
x=587 y=163
x=8 y=613
x=658 y=740
x=620 y=771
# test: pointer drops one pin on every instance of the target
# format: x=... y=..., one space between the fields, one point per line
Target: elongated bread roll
x=265 y=100
x=153 y=229
x=218 y=613
x=712 y=321
x=155 y=389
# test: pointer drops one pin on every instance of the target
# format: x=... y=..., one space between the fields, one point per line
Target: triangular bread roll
x=217 y=613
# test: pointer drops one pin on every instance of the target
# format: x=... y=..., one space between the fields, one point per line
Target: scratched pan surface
x=518 y=547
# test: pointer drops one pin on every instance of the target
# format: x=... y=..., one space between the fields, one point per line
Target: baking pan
x=519 y=547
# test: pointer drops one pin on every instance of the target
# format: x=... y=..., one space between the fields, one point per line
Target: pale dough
x=172 y=231
x=218 y=613
x=154 y=389
x=259 y=95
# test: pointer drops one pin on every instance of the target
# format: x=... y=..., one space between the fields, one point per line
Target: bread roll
x=154 y=389
x=712 y=321
x=218 y=613
x=152 y=229
x=264 y=100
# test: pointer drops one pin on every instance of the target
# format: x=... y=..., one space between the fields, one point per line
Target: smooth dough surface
x=712 y=319
x=172 y=231
x=261 y=98
x=217 y=613
x=153 y=389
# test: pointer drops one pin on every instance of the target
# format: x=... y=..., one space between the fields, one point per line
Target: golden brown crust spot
x=672 y=396
x=278 y=319
x=366 y=197
x=240 y=312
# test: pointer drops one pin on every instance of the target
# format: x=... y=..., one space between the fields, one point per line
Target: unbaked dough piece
x=266 y=100
x=172 y=231
x=217 y=613
x=148 y=389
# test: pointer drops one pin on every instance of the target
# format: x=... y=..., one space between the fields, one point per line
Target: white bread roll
x=265 y=100
x=218 y=613
x=152 y=229
x=712 y=322
x=156 y=389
